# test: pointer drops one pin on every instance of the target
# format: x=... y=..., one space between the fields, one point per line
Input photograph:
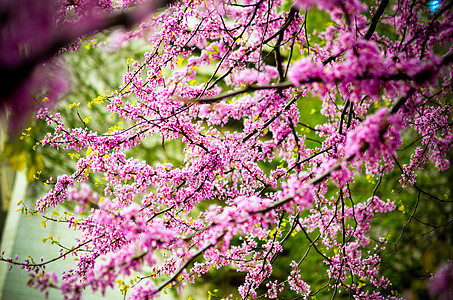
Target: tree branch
x=375 y=19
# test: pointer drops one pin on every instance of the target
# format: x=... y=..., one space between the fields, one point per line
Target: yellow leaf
x=180 y=61
x=89 y=150
x=55 y=213
x=87 y=120
x=45 y=99
x=99 y=99
x=43 y=223
x=20 y=202
x=73 y=105
x=216 y=49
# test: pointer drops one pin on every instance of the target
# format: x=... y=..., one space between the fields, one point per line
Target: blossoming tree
x=257 y=172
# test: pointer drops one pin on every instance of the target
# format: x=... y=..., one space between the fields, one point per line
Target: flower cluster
x=256 y=176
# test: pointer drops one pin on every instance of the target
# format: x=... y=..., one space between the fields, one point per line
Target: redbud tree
x=263 y=169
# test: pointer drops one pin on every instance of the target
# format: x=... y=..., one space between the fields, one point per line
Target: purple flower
x=441 y=284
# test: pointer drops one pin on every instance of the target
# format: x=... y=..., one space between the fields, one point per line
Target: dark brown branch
x=343 y=114
x=248 y=89
x=278 y=57
x=268 y=122
x=375 y=19
x=32 y=264
x=407 y=223
x=176 y=274
x=370 y=31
